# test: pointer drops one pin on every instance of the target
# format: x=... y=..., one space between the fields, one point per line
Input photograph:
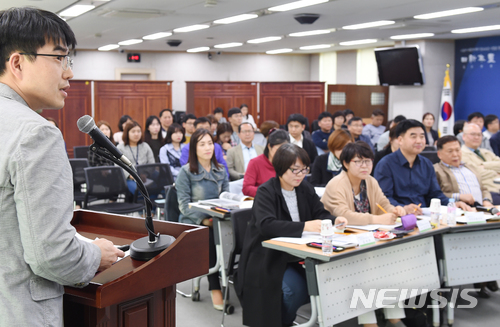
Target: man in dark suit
x=296 y=125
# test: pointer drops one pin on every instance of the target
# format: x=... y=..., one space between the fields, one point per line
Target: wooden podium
x=135 y=293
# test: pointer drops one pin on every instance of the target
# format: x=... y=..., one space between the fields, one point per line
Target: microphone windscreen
x=85 y=124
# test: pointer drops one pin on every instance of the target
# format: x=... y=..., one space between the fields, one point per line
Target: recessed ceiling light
x=76 y=10
x=296 y=5
x=156 y=36
x=108 y=47
x=411 y=36
x=200 y=49
x=309 y=33
x=356 y=42
x=265 y=39
x=368 y=25
x=279 y=51
x=130 y=42
x=314 y=47
x=191 y=28
x=235 y=19
x=228 y=45
x=452 y=12
x=477 y=29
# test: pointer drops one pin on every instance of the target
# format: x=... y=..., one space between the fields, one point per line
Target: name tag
x=475 y=218
x=365 y=239
x=424 y=225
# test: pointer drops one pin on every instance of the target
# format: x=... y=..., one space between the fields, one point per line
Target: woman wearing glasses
x=271 y=284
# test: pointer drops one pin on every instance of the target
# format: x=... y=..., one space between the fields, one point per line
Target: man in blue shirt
x=320 y=137
x=406 y=178
x=355 y=127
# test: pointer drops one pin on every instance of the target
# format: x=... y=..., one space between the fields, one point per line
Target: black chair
x=108 y=183
x=430 y=148
x=81 y=152
x=431 y=155
x=171 y=206
x=155 y=177
x=179 y=117
x=78 y=166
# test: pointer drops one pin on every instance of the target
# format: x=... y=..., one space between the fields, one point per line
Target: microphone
x=494 y=211
x=87 y=125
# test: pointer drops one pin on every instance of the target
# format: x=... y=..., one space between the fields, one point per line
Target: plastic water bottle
x=326 y=236
x=452 y=213
x=435 y=212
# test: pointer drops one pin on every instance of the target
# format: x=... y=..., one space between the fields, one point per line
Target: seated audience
x=117 y=137
x=260 y=169
x=171 y=152
x=223 y=137
x=391 y=147
x=478 y=119
x=247 y=118
x=200 y=179
x=407 y=178
x=271 y=284
x=189 y=127
x=375 y=129
x=203 y=123
x=320 y=136
x=492 y=126
x=484 y=160
x=296 y=124
x=237 y=158
x=153 y=136
x=214 y=123
x=235 y=118
x=338 y=119
x=219 y=115
x=138 y=152
x=458 y=127
x=94 y=159
x=495 y=143
x=166 y=119
x=383 y=140
x=328 y=165
x=431 y=135
x=355 y=127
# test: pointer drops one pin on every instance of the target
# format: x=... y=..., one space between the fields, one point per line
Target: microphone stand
x=149 y=246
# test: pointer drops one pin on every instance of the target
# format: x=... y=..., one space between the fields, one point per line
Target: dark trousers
x=495 y=197
x=295 y=293
x=213 y=279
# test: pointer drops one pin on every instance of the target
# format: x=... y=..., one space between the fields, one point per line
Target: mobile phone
x=317 y=245
x=220 y=209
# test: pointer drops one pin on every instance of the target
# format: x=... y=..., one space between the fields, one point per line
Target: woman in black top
x=153 y=136
x=431 y=135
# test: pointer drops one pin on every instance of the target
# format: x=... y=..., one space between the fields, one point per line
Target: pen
x=378 y=205
x=417 y=207
x=338 y=225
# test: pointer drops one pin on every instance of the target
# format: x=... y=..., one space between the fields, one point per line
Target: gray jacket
x=39 y=250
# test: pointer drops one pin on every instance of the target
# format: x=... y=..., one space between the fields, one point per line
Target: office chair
x=155 y=177
x=77 y=167
x=431 y=155
x=80 y=152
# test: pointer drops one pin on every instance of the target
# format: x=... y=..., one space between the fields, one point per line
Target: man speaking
x=40 y=252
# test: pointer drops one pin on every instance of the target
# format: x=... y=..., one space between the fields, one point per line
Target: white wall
x=182 y=67
x=346 y=67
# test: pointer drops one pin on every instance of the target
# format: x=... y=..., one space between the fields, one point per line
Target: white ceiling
x=101 y=26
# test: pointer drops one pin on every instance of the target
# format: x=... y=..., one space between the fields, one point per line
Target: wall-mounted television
x=400 y=66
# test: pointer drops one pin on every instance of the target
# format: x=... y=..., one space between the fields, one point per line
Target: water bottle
x=452 y=213
x=326 y=236
x=435 y=212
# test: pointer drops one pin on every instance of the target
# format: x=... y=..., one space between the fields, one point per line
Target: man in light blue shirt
x=375 y=129
x=239 y=156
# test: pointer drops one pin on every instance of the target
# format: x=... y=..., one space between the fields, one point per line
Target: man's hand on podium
x=109 y=253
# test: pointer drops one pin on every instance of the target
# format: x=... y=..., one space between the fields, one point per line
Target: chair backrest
x=81 y=151
x=105 y=182
x=77 y=166
x=430 y=148
x=155 y=176
x=171 y=208
x=431 y=155
x=239 y=219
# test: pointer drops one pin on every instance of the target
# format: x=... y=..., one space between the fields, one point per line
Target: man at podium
x=40 y=252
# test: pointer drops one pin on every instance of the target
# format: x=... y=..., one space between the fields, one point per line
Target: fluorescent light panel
x=296 y=5
x=191 y=28
x=200 y=49
x=285 y=50
x=368 y=25
x=108 y=47
x=156 y=36
x=356 y=42
x=446 y=13
x=265 y=39
x=476 y=29
x=228 y=45
x=235 y=19
x=309 y=33
x=76 y=10
x=130 y=42
x=314 y=47
x=411 y=36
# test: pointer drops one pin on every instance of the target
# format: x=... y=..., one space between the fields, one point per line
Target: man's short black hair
x=325 y=114
x=287 y=155
x=446 y=139
x=458 y=127
x=353 y=119
x=239 y=127
x=218 y=109
x=398 y=119
x=296 y=117
x=489 y=119
x=357 y=149
x=165 y=110
x=378 y=112
x=405 y=125
x=338 y=114
x=28 y=29
x=188 y=116
x=201 y=120
x=233 y=111
x=473 y=115
x=348 y=112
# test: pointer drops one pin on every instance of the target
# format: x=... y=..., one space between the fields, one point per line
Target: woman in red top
x=260 y=169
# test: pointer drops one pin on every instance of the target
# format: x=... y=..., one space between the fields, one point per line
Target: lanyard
x=136 y=158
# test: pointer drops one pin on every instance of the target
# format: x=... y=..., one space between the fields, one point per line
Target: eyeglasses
x=474 y=134
x=360 y=163
x=66 y=61
x=247 y=131
x=304 y=171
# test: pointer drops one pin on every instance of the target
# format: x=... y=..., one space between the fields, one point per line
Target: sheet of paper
x=307 y=237
x=320 y=191
x=374 y=226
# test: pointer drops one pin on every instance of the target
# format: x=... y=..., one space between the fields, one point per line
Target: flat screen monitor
x=399 y=66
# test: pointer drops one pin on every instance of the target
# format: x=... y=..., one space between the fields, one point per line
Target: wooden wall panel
x=274 y=105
